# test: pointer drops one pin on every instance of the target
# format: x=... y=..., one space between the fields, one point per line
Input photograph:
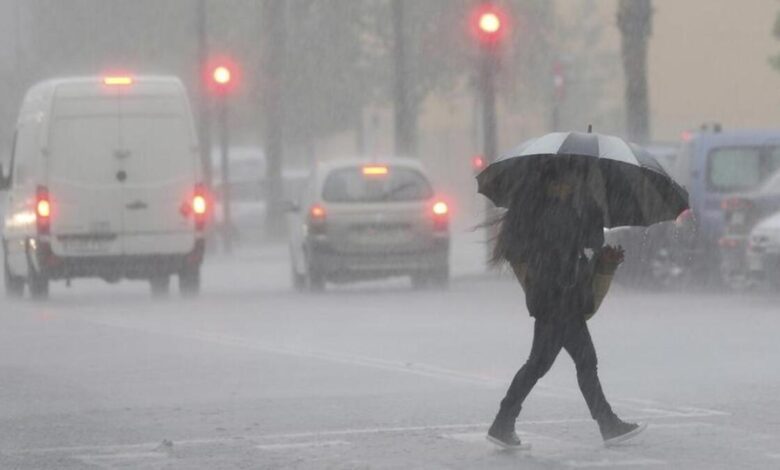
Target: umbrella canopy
x=627 y=182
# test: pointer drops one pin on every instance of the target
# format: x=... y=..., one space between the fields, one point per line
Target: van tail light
x=43 y=210
x=316 y=219
x=441 y=215
x=200 y=206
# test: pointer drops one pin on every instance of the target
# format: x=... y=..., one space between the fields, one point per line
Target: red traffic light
x=488 y=24
x=477 y=163
x=221 y=75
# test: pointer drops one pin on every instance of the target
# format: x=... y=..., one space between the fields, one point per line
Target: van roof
x=747 y=137
x=91 y=85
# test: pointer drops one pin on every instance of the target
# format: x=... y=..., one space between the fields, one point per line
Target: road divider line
x=301 y=445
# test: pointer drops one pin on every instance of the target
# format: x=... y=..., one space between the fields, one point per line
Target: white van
x=105 y=180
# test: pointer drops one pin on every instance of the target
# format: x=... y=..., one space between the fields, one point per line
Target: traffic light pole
x=487 y=86
x=227 y=220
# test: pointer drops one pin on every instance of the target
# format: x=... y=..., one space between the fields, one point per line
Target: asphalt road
x=253 y=375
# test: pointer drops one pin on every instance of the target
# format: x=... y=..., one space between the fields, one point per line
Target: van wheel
x=160 y=286
x=189 y=281
x=14 y=286
x=39 y=285
x=440 y=277
x=298 y=280
x=419 y=281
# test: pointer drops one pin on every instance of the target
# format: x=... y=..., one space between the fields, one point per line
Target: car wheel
x=38 y=285
x=298 y=280
x=189 y=281
x=419 y=280
x=14 y=286
x=160 y=286
x=316 y=280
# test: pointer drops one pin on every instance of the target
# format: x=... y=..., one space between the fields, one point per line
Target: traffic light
x=489 y=24
x=477 y=163
x=221 y=76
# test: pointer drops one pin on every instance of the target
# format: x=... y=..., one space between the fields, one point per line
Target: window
x=738 y=168
x=399 y=184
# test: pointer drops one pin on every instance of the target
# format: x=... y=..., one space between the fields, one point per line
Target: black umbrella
x=628 y=183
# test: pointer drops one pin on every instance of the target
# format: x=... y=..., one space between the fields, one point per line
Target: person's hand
x=612 y=254
x=609 y=258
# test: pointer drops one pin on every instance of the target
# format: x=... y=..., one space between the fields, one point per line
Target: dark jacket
x=551 y=237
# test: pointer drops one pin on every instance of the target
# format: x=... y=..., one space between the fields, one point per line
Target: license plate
x=755 y=264
x=381 y=236
x=86 y=245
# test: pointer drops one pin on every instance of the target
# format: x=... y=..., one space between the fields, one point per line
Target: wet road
x=254 y=375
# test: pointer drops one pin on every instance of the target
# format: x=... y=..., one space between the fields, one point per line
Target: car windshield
x=397 y=184
x=740 y=168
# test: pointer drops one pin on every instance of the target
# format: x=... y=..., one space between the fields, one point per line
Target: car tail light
x=43 y=210
x=728 y=242
x=735 y=204
x=317 y=219
x=441 y=215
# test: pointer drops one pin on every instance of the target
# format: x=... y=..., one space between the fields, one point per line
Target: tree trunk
x=405 y=110
x=634 y=20
x=274 y=57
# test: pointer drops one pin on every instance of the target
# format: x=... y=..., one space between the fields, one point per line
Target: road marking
x=613 y=463
x=302 y=445
x=110 y=461
x=413 y=368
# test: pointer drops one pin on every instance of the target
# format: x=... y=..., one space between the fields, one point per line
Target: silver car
x=763 y=251
x=358 y=221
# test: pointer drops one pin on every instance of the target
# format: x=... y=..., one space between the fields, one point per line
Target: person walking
x=546 y=236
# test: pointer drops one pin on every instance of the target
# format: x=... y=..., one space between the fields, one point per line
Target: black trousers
x=549 y=337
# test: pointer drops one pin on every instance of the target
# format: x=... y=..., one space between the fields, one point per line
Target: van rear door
x=160 y=164
x=87 y=200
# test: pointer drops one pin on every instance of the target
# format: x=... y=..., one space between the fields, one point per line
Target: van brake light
x=199 y=205
x=118 y=80
x=440 y=208
x=42 y=209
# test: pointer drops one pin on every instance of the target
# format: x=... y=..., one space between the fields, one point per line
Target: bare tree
x=634 y=19
x=274 y=60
